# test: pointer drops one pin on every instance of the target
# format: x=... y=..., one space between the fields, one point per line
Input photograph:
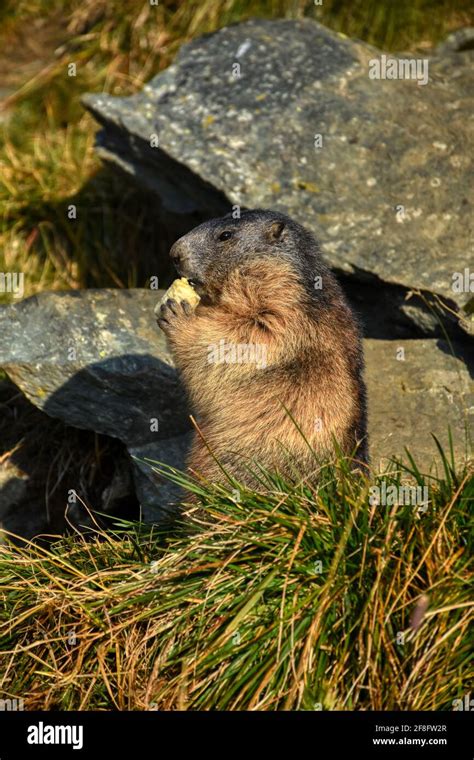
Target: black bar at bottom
x=376 y=734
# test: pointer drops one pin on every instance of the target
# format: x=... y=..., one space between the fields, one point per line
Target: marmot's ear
x=276 y=231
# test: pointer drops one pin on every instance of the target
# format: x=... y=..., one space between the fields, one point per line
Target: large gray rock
x=387 y=193
x=97 y=360
x=122 y=377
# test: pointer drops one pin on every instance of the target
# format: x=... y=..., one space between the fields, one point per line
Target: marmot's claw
x=171 y=311
x=162 y=323
x=187 y=308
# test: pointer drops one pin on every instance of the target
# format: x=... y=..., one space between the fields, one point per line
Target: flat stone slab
x=283 y=114
x=96 y=360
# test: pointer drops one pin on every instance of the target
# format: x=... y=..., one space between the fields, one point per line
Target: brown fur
x=311 y=360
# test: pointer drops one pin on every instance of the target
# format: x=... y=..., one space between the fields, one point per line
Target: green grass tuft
x=290 y=597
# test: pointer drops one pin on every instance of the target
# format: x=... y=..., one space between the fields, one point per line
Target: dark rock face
x=96 y=360
x=157 y=494
x=237 y=119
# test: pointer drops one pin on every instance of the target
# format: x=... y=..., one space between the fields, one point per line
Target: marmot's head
x=209 y=253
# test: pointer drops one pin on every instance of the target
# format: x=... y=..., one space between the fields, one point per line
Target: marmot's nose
x=180 y=256
x=176 y=252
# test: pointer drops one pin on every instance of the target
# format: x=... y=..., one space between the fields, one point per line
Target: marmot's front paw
x=171 y=313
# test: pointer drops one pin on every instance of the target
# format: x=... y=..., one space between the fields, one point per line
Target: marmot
x=272 y=356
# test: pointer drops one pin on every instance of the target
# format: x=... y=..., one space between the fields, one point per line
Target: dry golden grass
x=293 y=598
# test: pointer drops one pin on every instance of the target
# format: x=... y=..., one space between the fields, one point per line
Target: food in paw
x=179 y=290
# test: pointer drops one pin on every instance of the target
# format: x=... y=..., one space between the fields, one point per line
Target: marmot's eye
x=225 y=235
